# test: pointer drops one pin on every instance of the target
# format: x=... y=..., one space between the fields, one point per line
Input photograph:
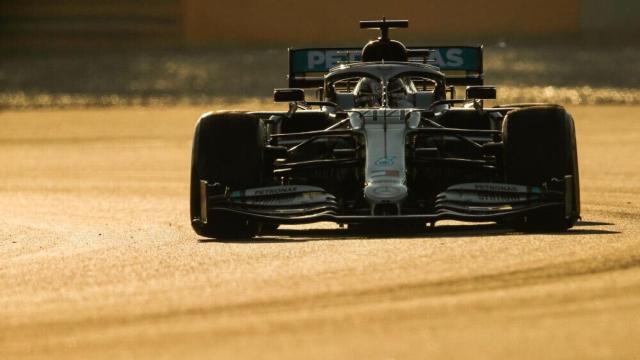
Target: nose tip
x=377 y=192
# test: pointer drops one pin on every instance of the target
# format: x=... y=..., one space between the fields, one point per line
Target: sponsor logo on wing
x=484 y=197
x=505 y=197
x=329 y=58
x=293 y=200
x=319 y=59
x=495 y=187
x=275 y=190
x=450 y=58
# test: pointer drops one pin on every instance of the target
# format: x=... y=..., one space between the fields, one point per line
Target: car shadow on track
x=289 y=235
x=594 y=223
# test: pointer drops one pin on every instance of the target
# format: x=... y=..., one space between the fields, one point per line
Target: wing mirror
x=288 y=95
x=481 y=93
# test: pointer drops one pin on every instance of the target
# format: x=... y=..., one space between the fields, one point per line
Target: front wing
x=472 y=202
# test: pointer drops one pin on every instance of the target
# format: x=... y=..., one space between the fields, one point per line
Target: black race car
x=386 y=142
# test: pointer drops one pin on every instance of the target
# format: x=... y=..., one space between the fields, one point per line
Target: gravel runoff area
x=99 y=260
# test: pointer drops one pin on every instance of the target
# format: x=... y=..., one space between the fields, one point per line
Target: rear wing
x=462 y=65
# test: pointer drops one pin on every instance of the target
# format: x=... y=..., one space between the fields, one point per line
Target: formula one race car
x=387 y=143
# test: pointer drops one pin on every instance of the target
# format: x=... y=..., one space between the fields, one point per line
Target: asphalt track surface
x=97 y=259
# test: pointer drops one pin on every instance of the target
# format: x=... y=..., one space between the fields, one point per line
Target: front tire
x=540 y=144
x=228 y=149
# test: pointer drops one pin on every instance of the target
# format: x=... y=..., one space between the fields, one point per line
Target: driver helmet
x=368 y=93
x=397 y=93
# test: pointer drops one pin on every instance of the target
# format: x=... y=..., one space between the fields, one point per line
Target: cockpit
x=382 y=85
x=373 y=93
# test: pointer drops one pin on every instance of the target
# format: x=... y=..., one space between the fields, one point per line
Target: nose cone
x=385 y=192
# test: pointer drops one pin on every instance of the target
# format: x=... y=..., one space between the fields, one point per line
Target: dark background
x=139 y=52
